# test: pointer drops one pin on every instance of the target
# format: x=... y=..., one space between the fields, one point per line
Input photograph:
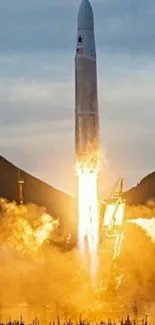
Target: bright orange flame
x=88 y=213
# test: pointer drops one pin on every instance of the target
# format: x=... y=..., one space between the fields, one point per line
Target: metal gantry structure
x=112 y=227
x=112 y=221
x=20 y=188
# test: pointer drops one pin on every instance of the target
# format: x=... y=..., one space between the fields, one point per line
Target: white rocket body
x=87 y=119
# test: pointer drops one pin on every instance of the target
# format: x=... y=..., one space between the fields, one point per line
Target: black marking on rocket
x=80 y=39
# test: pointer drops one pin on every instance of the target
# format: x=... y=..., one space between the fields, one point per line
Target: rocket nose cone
x=85 y=15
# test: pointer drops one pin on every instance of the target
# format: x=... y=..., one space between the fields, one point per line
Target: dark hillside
x=144 y=191
x=57 y=203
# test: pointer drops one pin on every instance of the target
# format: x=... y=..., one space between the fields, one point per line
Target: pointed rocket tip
x=85 y=15
x=85 y=1
x=86 y=5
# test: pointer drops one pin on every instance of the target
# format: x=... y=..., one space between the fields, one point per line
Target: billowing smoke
x=148 y=225
x=35 y=273
x=43 y=278
x=133 y=277
x=25 y=228
x=136 y=265
x=141 y=211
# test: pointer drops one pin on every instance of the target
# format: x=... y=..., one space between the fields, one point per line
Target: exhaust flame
x=148 y=225
x=88 y=214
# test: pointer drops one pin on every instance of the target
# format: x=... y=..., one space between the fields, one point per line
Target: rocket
x=86 y=102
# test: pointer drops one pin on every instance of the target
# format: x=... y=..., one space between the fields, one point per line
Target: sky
x=37 y=98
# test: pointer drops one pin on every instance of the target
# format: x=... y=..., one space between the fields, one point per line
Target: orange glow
x=43 y=232
x=25 y=238
x=88 y=213
x=148 y=225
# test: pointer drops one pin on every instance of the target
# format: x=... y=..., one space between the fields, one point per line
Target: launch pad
x=113 y=222
x=112 y=228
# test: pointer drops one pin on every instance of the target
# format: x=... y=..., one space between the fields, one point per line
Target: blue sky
x=37 y=47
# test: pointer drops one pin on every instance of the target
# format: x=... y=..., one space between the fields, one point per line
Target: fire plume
x=88 y=213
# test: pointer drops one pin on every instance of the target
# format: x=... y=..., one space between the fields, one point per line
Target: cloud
x=50 y=26
x=37 y=128
x=34 y=101
x=37 y=86
x=37 y=121
x=126 y=26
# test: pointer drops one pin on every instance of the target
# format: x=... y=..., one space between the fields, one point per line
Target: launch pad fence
x=45 y=315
